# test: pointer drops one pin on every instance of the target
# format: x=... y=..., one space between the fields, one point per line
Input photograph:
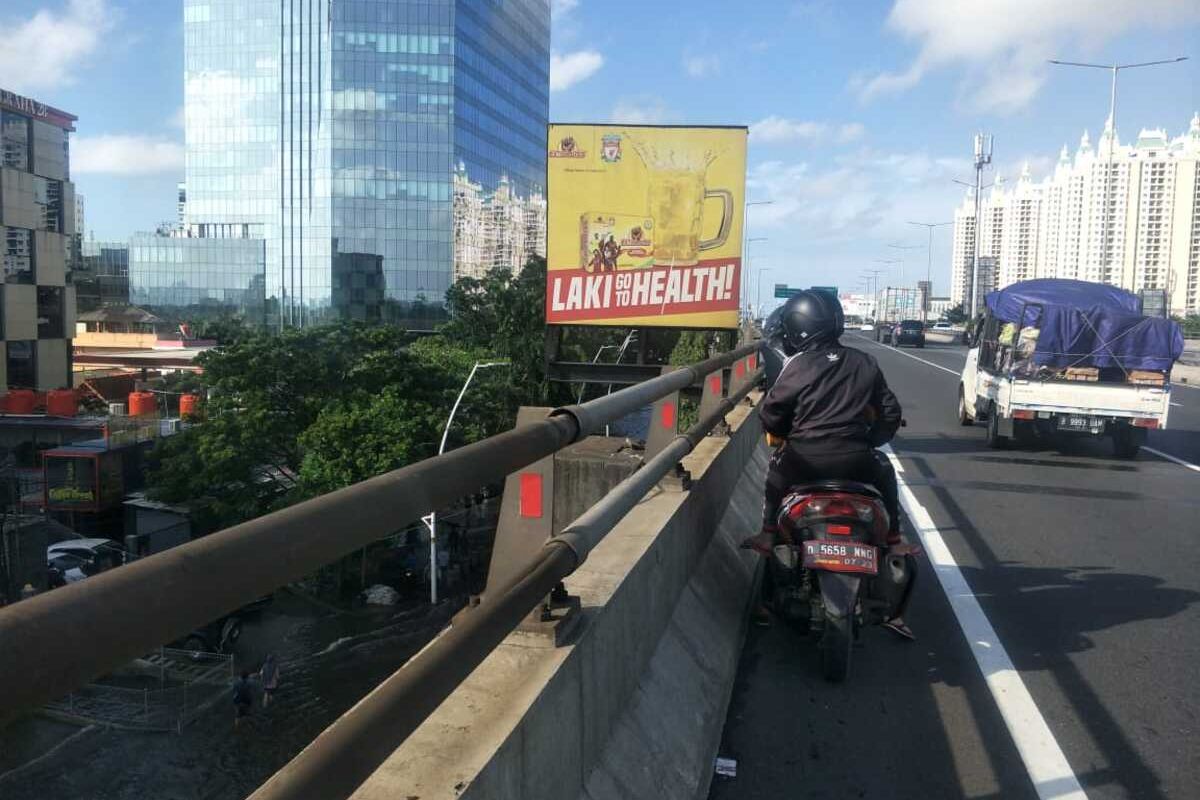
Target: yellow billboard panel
x=645 y=225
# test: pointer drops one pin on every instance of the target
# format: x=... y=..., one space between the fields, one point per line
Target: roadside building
x=37 y=241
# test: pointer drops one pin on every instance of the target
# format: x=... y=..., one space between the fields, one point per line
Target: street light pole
x=1105 y=259
x=746 y=298
x=758 y=304
x=928 y=226
x=430 y=519
x=744 y=283
x=874 y=273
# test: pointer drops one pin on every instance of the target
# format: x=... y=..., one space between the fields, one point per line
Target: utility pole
x=983 y=158
x=1114 y=69
x=929 y=226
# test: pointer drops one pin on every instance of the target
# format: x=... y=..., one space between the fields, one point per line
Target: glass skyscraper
x=333 y=129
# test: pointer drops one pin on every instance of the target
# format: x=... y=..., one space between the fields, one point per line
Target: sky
x=861 y=114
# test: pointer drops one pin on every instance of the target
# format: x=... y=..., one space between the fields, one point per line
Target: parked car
x=75 y=559
x=220 y=635
x=910 y=331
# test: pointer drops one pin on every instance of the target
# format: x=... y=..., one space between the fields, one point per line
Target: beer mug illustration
x=677 y=200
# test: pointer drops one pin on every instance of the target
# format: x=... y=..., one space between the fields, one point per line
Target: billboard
x=644 y=225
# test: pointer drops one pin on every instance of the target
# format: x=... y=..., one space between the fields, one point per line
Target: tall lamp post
x=929 y=226
x=746 y=299
x=430 y=519
x=745 y=281
x=758 y=304
x=1114 y=69
x=874 y=278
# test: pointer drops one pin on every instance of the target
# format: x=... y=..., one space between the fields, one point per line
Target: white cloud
x=862 y=195
x=701 y=66
x=571 y=68
x=774 y=130
x=851 y=132
x=125 y=155
x=642 y=109
x=1004 y=44
x=45 y=50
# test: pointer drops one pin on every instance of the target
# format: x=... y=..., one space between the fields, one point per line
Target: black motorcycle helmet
x=811 y=319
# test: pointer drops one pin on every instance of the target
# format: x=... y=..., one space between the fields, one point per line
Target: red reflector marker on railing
x=668 y=415
x=714 y=383
x=531 y=495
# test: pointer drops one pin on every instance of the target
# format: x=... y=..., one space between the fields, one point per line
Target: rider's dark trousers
x=838 y=459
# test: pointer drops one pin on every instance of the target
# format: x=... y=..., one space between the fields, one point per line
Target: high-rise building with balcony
x=1148 y=238
x=331 y=129
x=37 y=244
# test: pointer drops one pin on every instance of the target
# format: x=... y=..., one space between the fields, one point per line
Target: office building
x=37 y=237
x=186 y=279
x=101 y=275
x=1149 y=238
x=332 y=131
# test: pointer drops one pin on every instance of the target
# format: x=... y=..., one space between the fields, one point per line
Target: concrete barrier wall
x=634 y=705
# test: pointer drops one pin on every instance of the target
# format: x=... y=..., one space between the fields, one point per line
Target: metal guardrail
x=58 y=641
x=347 y=752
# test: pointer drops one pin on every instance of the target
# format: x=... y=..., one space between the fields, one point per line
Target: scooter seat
x=848 y=487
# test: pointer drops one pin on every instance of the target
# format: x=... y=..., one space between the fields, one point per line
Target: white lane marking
x=1044 y=760
x=1177 y=405
x=914 y=358
x=1169 y=457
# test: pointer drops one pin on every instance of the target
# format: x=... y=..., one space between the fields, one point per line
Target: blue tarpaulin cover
x=1088 y=325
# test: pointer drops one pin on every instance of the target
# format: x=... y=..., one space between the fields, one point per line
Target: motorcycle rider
x=828 y=409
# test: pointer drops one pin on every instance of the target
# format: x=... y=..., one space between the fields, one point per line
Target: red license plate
x=841 y=556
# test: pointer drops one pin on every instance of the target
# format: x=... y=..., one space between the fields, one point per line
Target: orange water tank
x=142 y=404
x=61 y=403
x=20 y=401
x=189 y=405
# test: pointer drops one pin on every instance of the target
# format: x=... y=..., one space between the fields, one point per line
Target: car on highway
x=883 y=332
x=867 y=326
x=910 y=332
x=75 y=559
x=942 y=327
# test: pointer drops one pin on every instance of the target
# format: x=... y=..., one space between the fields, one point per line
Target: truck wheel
x=994 y=440
x=964 y=416
x=1126 y=442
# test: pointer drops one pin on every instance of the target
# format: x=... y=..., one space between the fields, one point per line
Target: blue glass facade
x=179 y=278
x=331 y=129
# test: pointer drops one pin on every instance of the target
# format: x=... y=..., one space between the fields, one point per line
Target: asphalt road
x=1088 y=569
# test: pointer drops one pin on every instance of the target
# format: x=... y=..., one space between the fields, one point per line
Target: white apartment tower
x=1059 y=227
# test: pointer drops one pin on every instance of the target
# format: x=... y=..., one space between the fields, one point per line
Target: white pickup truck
x=1052 y=356
x=1019 y=407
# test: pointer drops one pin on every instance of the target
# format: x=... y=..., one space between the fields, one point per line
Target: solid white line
x=1044 y=760
x=910 y=355
x=1169 y=457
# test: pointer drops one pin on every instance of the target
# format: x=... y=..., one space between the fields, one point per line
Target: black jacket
x=829 y=396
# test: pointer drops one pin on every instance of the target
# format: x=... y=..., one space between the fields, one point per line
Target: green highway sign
x=833 y=290
x=782 y=290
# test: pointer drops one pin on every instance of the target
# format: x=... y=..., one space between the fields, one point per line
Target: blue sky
x=861 y=113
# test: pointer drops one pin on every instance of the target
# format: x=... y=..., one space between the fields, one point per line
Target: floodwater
x=328 y=661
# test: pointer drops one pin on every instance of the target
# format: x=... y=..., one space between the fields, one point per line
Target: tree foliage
x=956 y=315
